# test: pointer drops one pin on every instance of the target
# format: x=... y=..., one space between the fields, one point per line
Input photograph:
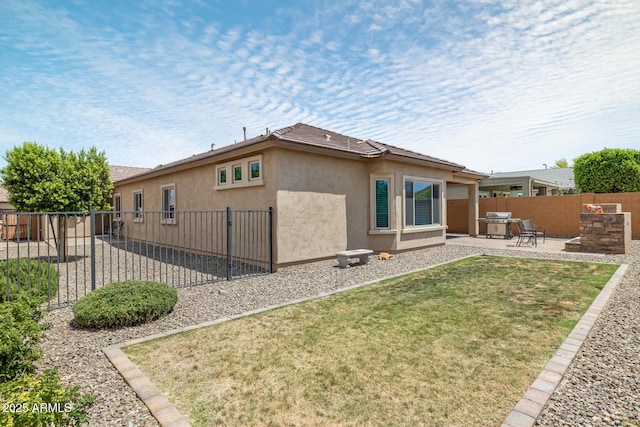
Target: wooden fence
x=560 y=215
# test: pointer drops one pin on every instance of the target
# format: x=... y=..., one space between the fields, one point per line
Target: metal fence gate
x=66 y=255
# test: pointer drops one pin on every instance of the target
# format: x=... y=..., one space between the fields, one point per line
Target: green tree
x=561 y=164
x=41 y=179
x=611 y=170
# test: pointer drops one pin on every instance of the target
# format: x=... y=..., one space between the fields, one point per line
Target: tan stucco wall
x=316 y=193
x=322 y=205
x=195 y=191
x=406 y=238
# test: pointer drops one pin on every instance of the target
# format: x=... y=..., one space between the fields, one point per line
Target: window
x=382 y=203
x=168 y=204
x=137 y=206
x=237 y=173
x=254 y=170
x=222 y=176
x=421 y=203
x=117 y=205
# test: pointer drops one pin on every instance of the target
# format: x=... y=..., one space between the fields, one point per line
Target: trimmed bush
x=124 y=304
x=19 y=336
x=38 y=278
x=41 y=400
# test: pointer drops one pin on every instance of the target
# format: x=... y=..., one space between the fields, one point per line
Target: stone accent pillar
x=608 y=232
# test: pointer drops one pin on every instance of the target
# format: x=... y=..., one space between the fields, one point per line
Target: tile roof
x=118 y=173
x=313 y=136
x=4 y=195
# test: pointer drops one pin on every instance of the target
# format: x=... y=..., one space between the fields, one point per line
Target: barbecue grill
x=498 y=224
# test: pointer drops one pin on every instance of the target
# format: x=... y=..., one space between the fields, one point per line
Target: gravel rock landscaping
x=600 y=388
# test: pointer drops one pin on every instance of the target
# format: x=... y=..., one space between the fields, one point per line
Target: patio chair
x=532 y=228
x=526 y=236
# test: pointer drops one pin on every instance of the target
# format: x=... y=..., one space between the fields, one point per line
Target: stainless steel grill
x=498 y=224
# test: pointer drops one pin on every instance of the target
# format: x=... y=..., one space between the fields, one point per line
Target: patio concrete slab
x=552 y=245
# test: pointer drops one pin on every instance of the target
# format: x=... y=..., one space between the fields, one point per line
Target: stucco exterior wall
x=403 y=237
x=195 y=190
x=322 y=205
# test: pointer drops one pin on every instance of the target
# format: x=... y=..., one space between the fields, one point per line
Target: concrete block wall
x=560 y=215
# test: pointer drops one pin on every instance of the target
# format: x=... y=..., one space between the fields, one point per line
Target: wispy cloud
x=536 y=81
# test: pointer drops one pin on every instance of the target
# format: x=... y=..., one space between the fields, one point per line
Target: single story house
x=330 y=192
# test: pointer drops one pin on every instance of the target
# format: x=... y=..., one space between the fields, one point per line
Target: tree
x=561 y=164
x=611 y=170
x=41 y=179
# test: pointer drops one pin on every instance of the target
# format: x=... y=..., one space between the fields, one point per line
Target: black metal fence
x=88 y=250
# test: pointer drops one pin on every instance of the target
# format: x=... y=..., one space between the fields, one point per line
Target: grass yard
x=454 y=345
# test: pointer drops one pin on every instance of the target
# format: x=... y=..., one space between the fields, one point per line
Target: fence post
x=93 y=248
x=229 y=245
x=270 y=239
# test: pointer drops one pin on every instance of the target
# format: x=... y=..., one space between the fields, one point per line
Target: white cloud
x=450 y=80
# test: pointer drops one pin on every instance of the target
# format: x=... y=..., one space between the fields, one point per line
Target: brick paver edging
x=529 y=408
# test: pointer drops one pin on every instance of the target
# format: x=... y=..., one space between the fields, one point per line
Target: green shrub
x=19 y=336
x=611 y=170
x=124 y=304
x=41 y=400
x=30 y=276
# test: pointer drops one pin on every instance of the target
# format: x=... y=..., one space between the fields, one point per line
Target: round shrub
x=124 y=304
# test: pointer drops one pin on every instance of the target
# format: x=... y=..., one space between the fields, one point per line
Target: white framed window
x=168 y=204
x=117 y=205
x=245 y=172
x=237 y=173
x=137 y=206
x=381 y=196
x=254 y=170
x=422 y=201
x=223 y=175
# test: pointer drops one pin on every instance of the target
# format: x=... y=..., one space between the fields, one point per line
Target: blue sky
x=494 y=85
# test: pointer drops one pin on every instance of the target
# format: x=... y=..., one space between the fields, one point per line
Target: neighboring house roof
x=312 y=136
x=562 y=177
x=119 y=173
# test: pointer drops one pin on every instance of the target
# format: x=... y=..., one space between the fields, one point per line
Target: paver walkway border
x=524 y=413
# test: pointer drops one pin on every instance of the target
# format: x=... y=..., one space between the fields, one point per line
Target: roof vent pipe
x=244 y=129
x=267 y=132
x=327 y=137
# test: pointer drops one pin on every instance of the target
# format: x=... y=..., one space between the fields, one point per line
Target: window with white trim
x=137 y=206
x=169 y=204
x=422 y=202
x=237 y=173
x=381 y=209
x=222 y=176
x=254 y=170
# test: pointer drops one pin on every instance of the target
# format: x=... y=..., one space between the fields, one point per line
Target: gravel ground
x=601 y=387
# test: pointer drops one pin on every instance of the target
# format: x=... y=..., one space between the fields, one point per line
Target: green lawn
x=454 y=345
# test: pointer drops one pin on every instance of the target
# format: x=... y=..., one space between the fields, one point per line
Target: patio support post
x=473 y=209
